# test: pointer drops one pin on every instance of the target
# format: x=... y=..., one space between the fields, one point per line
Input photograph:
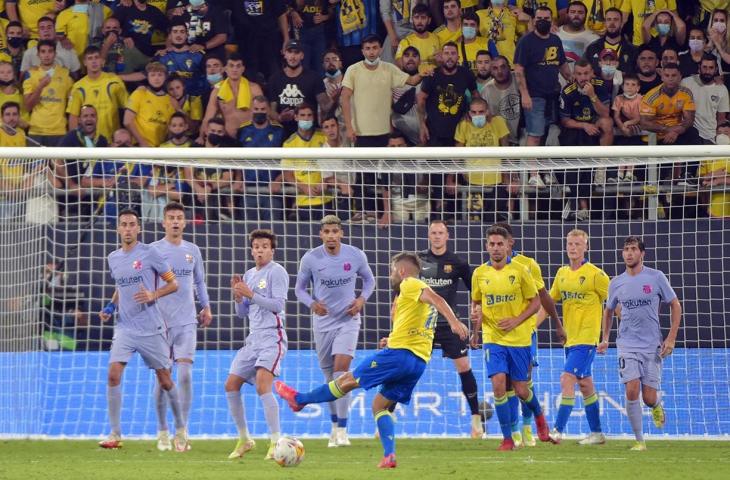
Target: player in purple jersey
x=178 y=311
x=140 y=328
x=332 y=270
x=261 y=296
x=638 y=293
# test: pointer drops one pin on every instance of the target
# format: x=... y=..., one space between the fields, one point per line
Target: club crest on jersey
x=188 y=258
x=347 y=266
x=581 y=280
x=647 y=289
x=262 y=283
x=137 y=265
x=448 y=268
x=512 y=279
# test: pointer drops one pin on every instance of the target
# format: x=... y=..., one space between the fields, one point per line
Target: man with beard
x=181 y=60
x=333 y=75
x=503 y=96
x=424 y=41
x=139 y=21
x=294 y=85
x=612 y=40
x=405 y=115
x=207 y=30
x=483 y=69
x=711 y=99
x=470 y=44
x=573 y=34
x=646 y=66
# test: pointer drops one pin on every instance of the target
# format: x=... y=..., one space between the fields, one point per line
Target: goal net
x=57 y=225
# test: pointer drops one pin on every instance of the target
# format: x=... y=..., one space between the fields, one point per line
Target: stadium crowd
x=315 y=73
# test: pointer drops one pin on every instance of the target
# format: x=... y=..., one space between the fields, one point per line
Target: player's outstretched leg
x=297 y=400
x=114 y=404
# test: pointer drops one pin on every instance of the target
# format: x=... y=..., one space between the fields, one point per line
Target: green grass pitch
x=417 y=459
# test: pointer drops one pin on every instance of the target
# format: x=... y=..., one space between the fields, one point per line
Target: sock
x=342 y=405
x=332 y=405
x=593 y=413
x=161 y=407
x=271 y=413
x=235 y=407
x=566 y=406
x=324 y=393
x=532 y=404
x=174 y=398
x=114 y=402
x=526 y=412
x=501 y=404
x=633 y=410
x=185 y=387
x=514 y=407
x=658 y=400
x=386 y=427
x=470 y=390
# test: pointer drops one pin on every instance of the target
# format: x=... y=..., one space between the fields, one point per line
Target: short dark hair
x=421 y=9
x=217 y=121
x=450 y=44
x=177 y=21
x=235 y=57
x=582 y=62
x=14 y=23
x=7 y=105
x=544 y=8
x=670 y=66
x=613 y=9
x=485 y=52
x=173 y=206
x=499 y=57
x=303 y=106
x=44 y=18
x=372 y=38
x=471 y=16
x=505 y=226
x=179 y=115
x=212 y=56
x=397 y=134
x=643 y=49
x=90 y=50
x=578 y=4
x=631 y=76
x=128 y=211
x=263 y=233
x=495 y=230
x=708 y=57
x=47 y=43
x=634 y=239
x=409 y=257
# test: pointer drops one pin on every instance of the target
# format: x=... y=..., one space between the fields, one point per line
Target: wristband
x=110 y=308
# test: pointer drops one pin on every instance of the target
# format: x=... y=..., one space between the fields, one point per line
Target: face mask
x=15 y=42
x=159 y=89
x=469 y=32
x=50 y=71
x=214 y=77
x=80 y=8
x=305 y=124
x=707 y=79
x=696 y=45
x=5 y=83
x=663 y=29
x=178 y=136
x=722 y=139
x=608 y=70
x=372 y=63
x=259 y=118
x=497 y=3
x=178 y=45
x=333 y=72
x=215 y=139
x=479 y=120
x=196 y=3
x=630 y=95
x=719 y=27
x=543 y=26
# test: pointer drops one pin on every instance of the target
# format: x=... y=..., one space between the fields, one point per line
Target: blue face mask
x=305 y=124
x=469 y=32
x=497 y=3
x=80 y=8
x=214 y=77
x=479 y=120
x=663 y=29
x=608 y=70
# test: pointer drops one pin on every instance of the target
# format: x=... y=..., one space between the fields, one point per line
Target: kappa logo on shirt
x=137 y=265
x=262 y=283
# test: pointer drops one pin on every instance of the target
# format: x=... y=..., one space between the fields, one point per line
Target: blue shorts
x=533 y=349
x=513 y=361
x=536 y=121
x=579 y=360
x=396 y=371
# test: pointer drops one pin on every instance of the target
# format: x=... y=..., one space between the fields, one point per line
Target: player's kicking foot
x=181 y=440
x=638 y=446
x=507 y=445
x=388 y=462
x=527 y=438
x=477 y=428
x=163 y=441
x=270 y=451
x=289 y=394
x=113 y=441
x=593 y=438
x=556 y=436
x=543 y=431
x=332 y=443
x=517 y=439
x=657 y=414
x=243 y=446
x=342 y=440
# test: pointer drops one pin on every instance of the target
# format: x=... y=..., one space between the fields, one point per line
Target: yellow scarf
x=352 y=16
x=225 y=93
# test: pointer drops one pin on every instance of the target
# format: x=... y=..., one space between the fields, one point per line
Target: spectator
x=668 y=55
x=15 y=48
x=46 y=88
x=341 y=179
x=470 y=44
x=11 y=135
x=396 y=16
x=711 y=99
x=190 y=105
x=80 y=24
x=609 y=71
x=104 y=91
x=715 y=176
x=260 y=194
x=424 y=41
x=28 y=13
x=498 y=25
x=294 y=85
x=335 y=139
x=85 y=133
x=689 y=60
x=442 y=101
x=9 y=92
x=261 y=28
x=120 y=58
x=149 y=108
x=612 y=40
x=538 y=59
x=450 y=31
x=641 y=10
x=404 y=116
x=646 y=68
x=483 y=72
x=178 y=132
x=503 y=96
x=66 y=57
x=213 y=188
x=598 y=11
x=214 y=70
x=718 y=34
x=354 y=25
x=405 y=195
x=207 y=28
x=333 y=76
x=310 y=18
x=573 y=33
x=626 y=116
x=181 y=60
x=231 y=97
x=139 y=21
x=671 y=30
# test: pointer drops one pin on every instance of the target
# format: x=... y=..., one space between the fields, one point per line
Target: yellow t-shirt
x=75 y=26
x=499 y=25
x=719 y=202
x=666 y=110
x=48 y=117
x=504 y=293
x=427 y=48
x=582 y=292
x=169 y=144
x=8 y=140
x=193 y=108
x=16 y=97
x=107 y=93
x=469 y=3
x=413 y=320
x=3 y=25
x=12 y=171
x=302 y=175
x=153 y=114
x=445 y=35
x=487 y=136
x=535 y=273
x=640 y=9
x=471 y=49
x=30 y=11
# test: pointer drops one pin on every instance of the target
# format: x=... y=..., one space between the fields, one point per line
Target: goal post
x=57 y=225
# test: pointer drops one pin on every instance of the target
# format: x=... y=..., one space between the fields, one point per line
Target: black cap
x=293 y=45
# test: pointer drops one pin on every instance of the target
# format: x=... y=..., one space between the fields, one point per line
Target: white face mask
x=630 y=96
x=372 y=63
x=696 y=44
x=719 y=27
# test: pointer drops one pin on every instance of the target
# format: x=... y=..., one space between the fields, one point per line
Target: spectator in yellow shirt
x=149 y=108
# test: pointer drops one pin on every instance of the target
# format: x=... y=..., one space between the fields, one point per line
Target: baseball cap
x=293 y=45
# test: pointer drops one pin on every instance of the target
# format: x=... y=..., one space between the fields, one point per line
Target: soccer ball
x=288 y=452
x=486 y=410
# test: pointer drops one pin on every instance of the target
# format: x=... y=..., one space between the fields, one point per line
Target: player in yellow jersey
x=398 y=367
x=504 y=303
x=149 y=108
x=582 y=287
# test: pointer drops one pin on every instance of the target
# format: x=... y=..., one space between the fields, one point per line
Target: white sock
x=235 y=407
x=633 y=411
x=271 y=413
x=160 y=407
x=185 y=386
x=114 y=403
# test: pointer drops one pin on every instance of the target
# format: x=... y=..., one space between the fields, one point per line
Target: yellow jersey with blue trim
x=535 y=273
x=413 y=320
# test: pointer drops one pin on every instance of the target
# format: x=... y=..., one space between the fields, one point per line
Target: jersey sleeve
x=460 y=133
x=554 y=289
x=201 y=288
x=304 y=277
x=366 y=273
x=536 y=274
x=647 y=109
x=612 y=301
x=398 y=77
x=666 y=292
x=159 y=265
x=476 y=293
x=411 y=289
x=134 y=101
x=529 y=288
x=465 y=272
x=601 y=284
x=74 y=102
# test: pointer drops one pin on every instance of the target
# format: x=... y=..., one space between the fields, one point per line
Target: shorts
x=540 y=117
x=340 y=341
x=451 y=345
x=533 y=349
x=265 y=349
x=579 y=360
x=397 y=371
x=154 y=349
x=182 y=340
x=646 y=367
x=513 y=361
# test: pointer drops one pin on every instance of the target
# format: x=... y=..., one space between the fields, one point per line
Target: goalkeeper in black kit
x=441 y=270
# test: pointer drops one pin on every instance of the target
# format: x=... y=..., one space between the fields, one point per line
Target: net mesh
x=57 y=225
